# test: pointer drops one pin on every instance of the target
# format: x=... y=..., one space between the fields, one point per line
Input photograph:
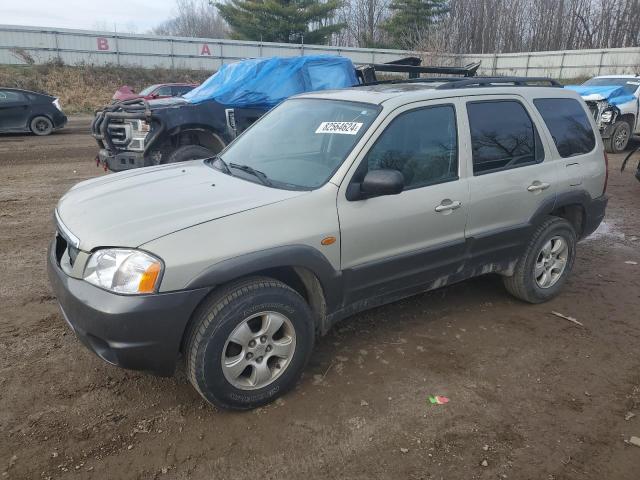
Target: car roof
x=21 y=90
x=396 y=94
x=617 y=76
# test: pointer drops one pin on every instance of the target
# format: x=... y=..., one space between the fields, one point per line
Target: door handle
x=538 y=186
x=448 y=206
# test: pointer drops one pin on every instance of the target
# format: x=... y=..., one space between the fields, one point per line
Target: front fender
x=285 y=256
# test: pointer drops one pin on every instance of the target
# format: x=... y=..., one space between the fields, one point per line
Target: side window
x=568 y=123
x=9 y=96
x=422 y=144
x=503 y=136
x=180 y=90
x=163 y=91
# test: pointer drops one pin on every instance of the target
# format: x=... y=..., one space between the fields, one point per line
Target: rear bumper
x=121 y=161
x=594 y=214
x=59 y=121
x=135 y=332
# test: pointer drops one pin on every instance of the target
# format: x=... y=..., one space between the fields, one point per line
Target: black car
x=139 y=133
x=25 y=111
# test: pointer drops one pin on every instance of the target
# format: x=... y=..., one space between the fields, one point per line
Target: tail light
x=606 y=173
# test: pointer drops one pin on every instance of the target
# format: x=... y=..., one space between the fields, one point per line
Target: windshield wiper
x=256 y=173
x=217 y=159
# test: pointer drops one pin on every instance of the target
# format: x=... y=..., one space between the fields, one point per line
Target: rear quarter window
x=568 y=124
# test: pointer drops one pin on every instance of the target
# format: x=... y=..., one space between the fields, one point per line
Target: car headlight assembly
x=607 y=116
x=124 y=271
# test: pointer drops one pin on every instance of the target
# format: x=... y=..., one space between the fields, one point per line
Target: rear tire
x=539 y=277
x=188 y=152
x=41 y=126
x=619 y=139
x=249 y=343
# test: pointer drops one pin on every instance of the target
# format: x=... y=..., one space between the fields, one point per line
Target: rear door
x=510 y=178
x=14 y=110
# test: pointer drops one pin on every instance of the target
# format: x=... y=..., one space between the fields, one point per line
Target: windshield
x=630 y=84
x=148 y=90
x=300 y=143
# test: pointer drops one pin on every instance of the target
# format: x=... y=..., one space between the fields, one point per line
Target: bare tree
x=364 y=20
x=194 y=18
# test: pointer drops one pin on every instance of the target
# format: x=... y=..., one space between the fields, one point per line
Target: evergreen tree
x=411 y=19
x=288 y=21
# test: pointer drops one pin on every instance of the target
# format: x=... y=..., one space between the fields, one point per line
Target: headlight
x=606 y=116
x=124 y=271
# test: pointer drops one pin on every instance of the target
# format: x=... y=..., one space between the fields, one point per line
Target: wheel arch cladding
x=572 y=206
x=301 y=267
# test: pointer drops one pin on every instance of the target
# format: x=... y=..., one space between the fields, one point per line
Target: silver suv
x=333 y=203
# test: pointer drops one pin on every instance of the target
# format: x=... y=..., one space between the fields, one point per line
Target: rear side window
x=568 y=123
x=9 y=96
x=181 y=90
x=422 y=144
x=503 y=136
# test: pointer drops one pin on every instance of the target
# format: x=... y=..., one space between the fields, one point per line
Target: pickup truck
x=614 y=102
x=139 y=132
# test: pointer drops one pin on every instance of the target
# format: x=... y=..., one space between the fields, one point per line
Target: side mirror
x=377 y=183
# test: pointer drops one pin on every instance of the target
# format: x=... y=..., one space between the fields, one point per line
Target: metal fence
x=23 y=45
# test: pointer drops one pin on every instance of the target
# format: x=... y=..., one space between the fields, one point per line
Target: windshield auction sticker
x=343 y=128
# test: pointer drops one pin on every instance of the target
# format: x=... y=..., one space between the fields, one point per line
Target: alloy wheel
x=258 y=350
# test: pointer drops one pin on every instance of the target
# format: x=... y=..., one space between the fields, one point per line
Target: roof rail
x=453 y=83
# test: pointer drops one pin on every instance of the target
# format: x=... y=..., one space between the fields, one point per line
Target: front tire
x=41 y=126
x=543 y=269
x=619 y=139
x=188 y=152
x=249 y=343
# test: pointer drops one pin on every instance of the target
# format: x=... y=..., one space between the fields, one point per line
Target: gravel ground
x=533 y=396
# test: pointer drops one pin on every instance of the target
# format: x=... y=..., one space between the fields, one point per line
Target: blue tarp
x=614 y=94
x=265 y=82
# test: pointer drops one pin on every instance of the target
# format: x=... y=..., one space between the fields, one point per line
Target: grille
x=120 y=134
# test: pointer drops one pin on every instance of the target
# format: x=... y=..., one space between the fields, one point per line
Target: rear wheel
x=619 y=139
x=41 y=126
x=249 y=343
x=188 y=152
x=545 y=265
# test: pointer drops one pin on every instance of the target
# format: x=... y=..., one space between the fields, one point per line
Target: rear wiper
x=256 y=173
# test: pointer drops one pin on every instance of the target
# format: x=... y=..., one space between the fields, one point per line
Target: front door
x=397 y=243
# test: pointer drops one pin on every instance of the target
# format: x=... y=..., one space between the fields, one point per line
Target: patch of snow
x=607 y=229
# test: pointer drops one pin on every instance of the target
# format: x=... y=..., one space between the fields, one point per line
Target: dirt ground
x=532 y=396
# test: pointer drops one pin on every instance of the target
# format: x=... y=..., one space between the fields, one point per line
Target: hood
x=614 y=94
x=130 y=208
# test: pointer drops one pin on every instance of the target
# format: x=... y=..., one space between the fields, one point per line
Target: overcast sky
x=136 y=16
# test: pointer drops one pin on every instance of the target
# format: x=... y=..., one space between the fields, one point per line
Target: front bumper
x=594 y=214
x=121 y=161
x=137 y=332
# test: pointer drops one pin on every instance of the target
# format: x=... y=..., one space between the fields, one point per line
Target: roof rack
x=411 y=65
x=452 y=83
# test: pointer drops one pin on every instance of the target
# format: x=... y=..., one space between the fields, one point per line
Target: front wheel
x=188 y=152
x=543 y=268
x=249 y=343
x=619 y=139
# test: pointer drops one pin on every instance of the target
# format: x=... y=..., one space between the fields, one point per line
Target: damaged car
x=613 y=102
x=141 y=132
